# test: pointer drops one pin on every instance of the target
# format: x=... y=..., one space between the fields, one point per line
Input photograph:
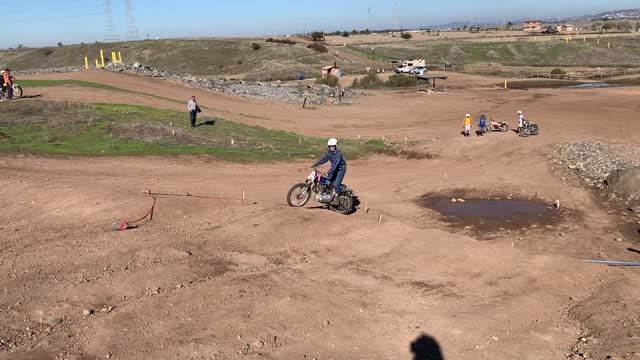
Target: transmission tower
x=396 y=16
x=132 y=29
x=110 y=33
x=368 y=18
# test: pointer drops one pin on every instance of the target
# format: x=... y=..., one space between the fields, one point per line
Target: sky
x=47 y=22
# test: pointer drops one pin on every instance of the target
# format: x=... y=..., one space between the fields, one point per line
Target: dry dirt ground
x=222 y=279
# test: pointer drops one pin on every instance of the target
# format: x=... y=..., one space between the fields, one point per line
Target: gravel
x=595 y=160
x=274 y=91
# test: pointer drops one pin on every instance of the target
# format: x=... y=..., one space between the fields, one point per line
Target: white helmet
x=332 y=142
x=468 y=115
x=519 y=112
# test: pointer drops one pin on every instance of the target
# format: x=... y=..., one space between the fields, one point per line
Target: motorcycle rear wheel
x=345 y=204
x=299 y=195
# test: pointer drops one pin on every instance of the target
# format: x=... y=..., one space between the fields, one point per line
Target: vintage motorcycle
x=318 y=184
x=530 y=128
x=17 y=92
x=497 y=126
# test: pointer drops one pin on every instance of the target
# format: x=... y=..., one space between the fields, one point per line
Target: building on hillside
x=532 y=26
x=566 y=29
x=333 y=70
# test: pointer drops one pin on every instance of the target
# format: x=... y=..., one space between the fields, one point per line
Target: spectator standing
x=194 y=109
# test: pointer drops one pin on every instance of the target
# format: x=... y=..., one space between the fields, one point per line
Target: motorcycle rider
x=7 y=84
x=520 y=121
x=338 y=165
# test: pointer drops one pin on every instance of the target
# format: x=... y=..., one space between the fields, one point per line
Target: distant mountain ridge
x=627 y=14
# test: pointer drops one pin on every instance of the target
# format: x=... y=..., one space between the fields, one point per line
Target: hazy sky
x=45 y=22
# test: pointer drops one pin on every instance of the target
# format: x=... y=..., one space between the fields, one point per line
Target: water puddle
x=490 y=217
x=488 y=208
x=592 y=86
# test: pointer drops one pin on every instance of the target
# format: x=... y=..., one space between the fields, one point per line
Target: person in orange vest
x=467 y=125
x=7 y=83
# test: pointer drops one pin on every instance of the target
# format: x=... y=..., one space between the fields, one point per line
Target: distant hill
x=236 y=58
x=628 y=14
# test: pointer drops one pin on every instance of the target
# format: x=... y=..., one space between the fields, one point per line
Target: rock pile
x=595 y=160
x=602 y=166
x=49 y=70
x=274 y=91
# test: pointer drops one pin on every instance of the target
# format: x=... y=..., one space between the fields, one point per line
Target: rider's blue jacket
x=483 y=122
x=336 y=159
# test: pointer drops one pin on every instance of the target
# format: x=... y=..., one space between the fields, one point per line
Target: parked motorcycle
x=318 y=184
x=497 y=126
x=530 y=128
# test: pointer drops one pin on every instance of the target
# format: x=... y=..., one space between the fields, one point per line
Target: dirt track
x=218 y=279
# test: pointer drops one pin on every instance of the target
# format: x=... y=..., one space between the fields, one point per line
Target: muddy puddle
x=488 y=217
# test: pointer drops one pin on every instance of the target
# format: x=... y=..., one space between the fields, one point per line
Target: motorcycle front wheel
x=17 y=91
x=535 y=131
x=504 y=127
x=345 y=204
x=298 y=195
x=525 y=132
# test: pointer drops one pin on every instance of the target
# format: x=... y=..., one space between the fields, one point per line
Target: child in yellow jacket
x=467 y=125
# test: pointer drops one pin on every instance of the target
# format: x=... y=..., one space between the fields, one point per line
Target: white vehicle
x=418 y=70
x=408 y=65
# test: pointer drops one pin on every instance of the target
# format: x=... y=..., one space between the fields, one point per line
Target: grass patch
x=47 y=127
x=361 y=51
x=553 y=53
x=88 y=84
x=627 y=81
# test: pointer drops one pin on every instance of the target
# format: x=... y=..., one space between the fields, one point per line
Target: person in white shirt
x=520 y=121
x=194 y=109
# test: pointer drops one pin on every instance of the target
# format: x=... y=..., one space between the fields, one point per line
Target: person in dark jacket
x=338 y=165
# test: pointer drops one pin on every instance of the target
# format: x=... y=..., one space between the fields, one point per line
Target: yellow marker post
x=97 y=64
x=506 y=84
x=86 y=63
x=120 y=57
x=114 y=60
x=584 y=39
x=102 y=57
x=609 y=45
x=598 y=41
x=567 y=39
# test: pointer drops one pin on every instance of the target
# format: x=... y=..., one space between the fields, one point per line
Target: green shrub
x=557 y=71
x=369 y=81
x=317 y=36
x=406 y=36
x=401 y=80
x=318 y=47
x=330 y=80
